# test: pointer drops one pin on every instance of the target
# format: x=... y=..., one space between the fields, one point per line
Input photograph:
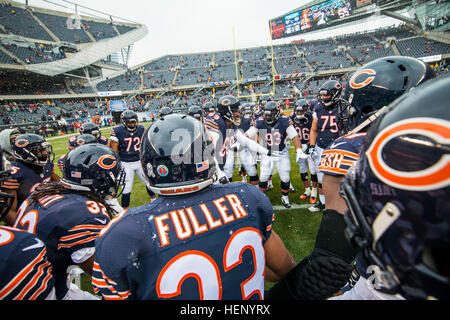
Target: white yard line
x=293 y=206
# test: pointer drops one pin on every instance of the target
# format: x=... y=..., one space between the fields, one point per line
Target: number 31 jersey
x=208 y=245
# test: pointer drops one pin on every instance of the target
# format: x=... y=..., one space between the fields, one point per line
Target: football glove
x=312 y=152
x=300 y=155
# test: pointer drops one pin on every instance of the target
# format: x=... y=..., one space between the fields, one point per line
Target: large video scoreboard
x=314 y=17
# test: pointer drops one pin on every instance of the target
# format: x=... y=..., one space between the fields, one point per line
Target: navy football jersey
x=338 y=158
x=208 y=245
x=129 y=142
x=303 y=128
x=66 y=223
x=25 y=180
x=25 y=272
x=225 y=139
x=327 y=126
x=274 y=137
x=246 y=123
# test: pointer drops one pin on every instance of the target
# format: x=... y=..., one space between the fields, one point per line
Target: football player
x=164 y=111
x=224 y=130
x=398 y=199
x=209 y=109
x=7 y=138
x=78 y=141
x=247 y=159
x=197 y=240
x=302 y=120
x=92 y=128
x=126 y=140
x=274 y=129
x=370 y=89
x=68 y=216
x=324 y=129
x=387 y=79
x=196 y=112
x=33 y=166
x=24 y=268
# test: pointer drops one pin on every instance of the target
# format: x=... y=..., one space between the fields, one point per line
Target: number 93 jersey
x=208 y=245
x=129 y=142
x=274 y=137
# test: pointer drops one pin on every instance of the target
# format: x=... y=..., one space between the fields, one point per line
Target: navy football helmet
x=93 y=168
x=229 y=108
x=196 y=112
x=272 y=112
x=164 y=111
x=6 y=199
x=375 y=86
x=301 y=108
x=85 y=139
x=32 y=149
x=90 y=128
x=129 y=120
x=330 y=94
x=177 y=156
x=398 y=194
x=209 y=107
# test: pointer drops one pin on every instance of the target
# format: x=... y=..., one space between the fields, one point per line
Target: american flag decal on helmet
x=202 y=166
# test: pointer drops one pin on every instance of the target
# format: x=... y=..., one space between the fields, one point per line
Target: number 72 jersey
x=201 y=246
x=129 y=143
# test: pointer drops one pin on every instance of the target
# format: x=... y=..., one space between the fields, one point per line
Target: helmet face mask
x=90 y=128
x=229 y=108
x=196 y=112
x=272 y=113
x=300 y=111
x=129 y=120
x=398 y=195
x=93 y=168
x=329 y=94
x=177 y=156
x=33 y=149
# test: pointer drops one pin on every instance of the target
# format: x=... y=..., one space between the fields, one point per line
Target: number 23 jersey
x=207 y=245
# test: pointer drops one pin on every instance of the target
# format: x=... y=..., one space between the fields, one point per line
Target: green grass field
x=297 y=226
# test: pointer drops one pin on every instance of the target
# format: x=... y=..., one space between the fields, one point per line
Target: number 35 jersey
x=209 y=245
x=68 y=225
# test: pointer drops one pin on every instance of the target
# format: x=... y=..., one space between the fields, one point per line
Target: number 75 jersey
x=208 y=245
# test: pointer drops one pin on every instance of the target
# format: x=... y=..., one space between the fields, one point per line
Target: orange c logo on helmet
x=226 y=102
x=22 y=143
x=102 y=164
x=358 y=85
x=434 y=177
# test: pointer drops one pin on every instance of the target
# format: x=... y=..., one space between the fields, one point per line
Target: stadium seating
x=21 y=22
x=421 y=47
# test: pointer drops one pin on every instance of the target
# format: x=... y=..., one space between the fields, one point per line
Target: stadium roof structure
x=56 y=29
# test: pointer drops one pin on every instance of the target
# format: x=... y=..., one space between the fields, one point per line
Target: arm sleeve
x=251 y=144
x=291 y=132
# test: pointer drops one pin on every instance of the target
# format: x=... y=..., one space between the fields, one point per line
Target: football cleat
x=306 y=194
x=269 y=185
x=317 y=207
x=291 y=188
x=285 y=201
x=313 y=198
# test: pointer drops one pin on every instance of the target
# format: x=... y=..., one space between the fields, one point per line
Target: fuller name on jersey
x=175 y=249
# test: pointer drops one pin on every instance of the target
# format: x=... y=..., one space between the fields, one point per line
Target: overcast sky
x=190 y=26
